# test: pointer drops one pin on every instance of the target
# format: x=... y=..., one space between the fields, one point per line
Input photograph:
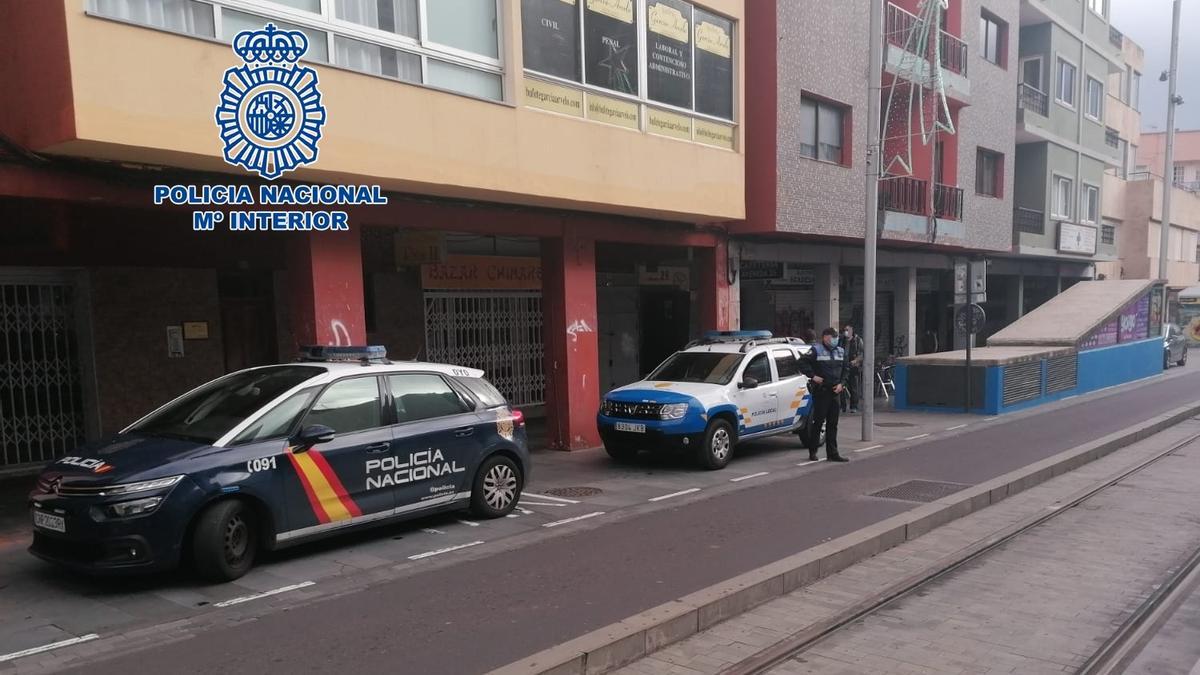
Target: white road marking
x=675 y=494
x=430 y=530
x=961 y=426
x=469 y=523
x=553 y=499
x=869 y=448
x=513 y=515
x=543 y=504
x=524 y=511
x=45 y=648
x=811 y=461
x=572 y=520
x=430 y=554
x=989 y=419
x=918 y=436
x=753 y=475
x=264 y=594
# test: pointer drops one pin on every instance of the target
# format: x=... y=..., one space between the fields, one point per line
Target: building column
x=826 y=286
x=715 y=289
x=906 y=308
x=325 y=279
x=572 y=356
x=1020 y=295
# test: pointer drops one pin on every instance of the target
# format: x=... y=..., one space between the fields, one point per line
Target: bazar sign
x=460 y=272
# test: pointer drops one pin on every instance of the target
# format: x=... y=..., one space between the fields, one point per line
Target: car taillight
x=518 y=418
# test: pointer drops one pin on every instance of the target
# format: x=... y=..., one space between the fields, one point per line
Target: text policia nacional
x=251 y=220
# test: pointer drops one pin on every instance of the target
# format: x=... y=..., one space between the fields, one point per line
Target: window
x=785 y=363
x=939 y=162
x=1064 y=190
x=1097 y=6
x=484 y=391
x=1095 y=99
x=348 y=406
x=758 y=368
x=460 y=46
x=1177 y=174
x=1135 y=89
x=421 y=396
x=711 y=368
x=184 y=16
x=1091 y=204
x=1108 y=234
x=686 y=52
x=1031 y=73
x=1065 y=93
x=278 y=422
x=993 y=33
x=821 y=130
x=989 y=170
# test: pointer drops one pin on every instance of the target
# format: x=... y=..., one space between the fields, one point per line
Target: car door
x=334 y=475
x=437 y=437
x=758 y=406
x=791 y=387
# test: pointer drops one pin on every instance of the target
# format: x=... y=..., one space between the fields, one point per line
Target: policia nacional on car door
x=272 y=456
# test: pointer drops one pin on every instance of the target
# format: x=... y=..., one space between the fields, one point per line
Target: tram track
x=1117 y=651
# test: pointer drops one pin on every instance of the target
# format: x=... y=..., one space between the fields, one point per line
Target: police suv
x=729 y=387
x=268 y=457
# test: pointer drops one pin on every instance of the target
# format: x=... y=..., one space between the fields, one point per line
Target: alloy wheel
x=500 y=486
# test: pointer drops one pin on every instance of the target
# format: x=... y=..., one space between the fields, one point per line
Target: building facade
x=557 y=174
x=948 y=187
x=1185 y=174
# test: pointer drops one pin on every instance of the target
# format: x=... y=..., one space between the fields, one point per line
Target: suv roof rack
x=366 y=355
x=714 y=337
x=772 y=341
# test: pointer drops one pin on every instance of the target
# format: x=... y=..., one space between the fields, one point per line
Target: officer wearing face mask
x=826 y=370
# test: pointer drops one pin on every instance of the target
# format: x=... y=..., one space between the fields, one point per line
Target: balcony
x=1029 y=221
x=904 y=194
x=1116 y=37
x=1029 y=98
x=898 y=28
x=1112 y=138
x=947 y=202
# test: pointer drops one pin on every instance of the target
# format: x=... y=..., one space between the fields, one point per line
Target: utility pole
x=1169 y=164
x=874 y=166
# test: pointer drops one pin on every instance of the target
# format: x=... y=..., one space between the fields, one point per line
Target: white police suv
x=731 y=386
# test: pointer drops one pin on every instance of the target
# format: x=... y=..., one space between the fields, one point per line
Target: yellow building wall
x=142 y=95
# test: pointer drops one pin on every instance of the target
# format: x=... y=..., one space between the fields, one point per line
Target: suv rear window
x=484 y=391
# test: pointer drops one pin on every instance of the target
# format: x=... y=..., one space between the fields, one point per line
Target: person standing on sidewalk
x=826 y=371
x=853 y=344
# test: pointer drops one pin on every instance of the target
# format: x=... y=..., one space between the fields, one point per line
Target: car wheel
x=225 y=541
x=621 y=452
x=1183 y=359
x=1166 y=360
x=717 y=448
x=497 y=487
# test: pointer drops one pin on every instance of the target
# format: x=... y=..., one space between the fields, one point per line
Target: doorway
x=247 y=319
x=665 y=322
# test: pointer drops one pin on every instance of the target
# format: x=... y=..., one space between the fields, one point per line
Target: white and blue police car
x=277 y=455
x=728 y=387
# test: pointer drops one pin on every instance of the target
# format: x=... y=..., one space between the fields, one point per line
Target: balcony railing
x=1112 y=138
x=1029 y=98
x=1030 y=221
x=1116 y=37
x=904 y=194
x=947 y=202
x=899 y=26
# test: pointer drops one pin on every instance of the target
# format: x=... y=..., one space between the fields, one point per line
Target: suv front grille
x=634 y=411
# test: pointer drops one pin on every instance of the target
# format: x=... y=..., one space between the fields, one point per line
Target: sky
x=1148 y=23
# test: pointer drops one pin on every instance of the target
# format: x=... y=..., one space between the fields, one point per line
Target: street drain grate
x=920 y=491
x=894 y=424
x=573 y=492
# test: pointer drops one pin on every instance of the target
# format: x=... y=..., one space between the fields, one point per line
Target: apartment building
x=556 y=173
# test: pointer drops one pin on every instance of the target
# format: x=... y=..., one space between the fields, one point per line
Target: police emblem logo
x=504 y=425
x=270 y=113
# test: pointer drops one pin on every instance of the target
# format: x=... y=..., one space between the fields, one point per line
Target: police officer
x=826 y=370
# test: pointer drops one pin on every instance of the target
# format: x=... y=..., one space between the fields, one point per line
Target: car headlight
x=606 y=407
x=140 y=486
x=673 y=411
x=135 y=507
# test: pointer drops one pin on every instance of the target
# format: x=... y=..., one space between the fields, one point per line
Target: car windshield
x=707 y=367
x=209 y=412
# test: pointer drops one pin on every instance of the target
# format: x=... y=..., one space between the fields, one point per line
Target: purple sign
x=1105 y=336
x=1135 y=321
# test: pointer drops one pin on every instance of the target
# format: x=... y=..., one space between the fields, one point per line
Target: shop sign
x=760 y=270
x=1074 y=238
x=419 y=247
x=679 y=277
x=483 y=272
x=797 y=275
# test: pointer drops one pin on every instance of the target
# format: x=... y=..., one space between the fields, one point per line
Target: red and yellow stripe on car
x=328 y=497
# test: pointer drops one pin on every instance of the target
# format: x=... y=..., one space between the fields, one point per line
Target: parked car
x=729 y=387
x=1175 y=346
x=272 y=456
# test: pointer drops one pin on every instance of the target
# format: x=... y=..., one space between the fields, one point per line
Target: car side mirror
x=314 y=434
x=748 y=383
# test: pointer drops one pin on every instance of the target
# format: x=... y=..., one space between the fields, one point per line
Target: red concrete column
x=714 y=290
x=325 y=276
x=572 y=349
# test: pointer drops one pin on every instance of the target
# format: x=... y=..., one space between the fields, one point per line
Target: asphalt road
x=480 y=614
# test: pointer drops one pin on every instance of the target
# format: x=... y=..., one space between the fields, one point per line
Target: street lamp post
x=1169 y=162
x=874 y=166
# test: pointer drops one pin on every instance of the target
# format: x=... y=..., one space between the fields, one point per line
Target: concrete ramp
x=1071 y=316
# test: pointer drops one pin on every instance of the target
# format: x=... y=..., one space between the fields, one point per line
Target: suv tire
x=497 y=487
x=225 y=541
x=717 y=448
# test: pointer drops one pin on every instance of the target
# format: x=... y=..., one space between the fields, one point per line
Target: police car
x=268 y=457
x=729 y=387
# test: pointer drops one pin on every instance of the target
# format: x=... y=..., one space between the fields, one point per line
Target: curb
x=626 y=641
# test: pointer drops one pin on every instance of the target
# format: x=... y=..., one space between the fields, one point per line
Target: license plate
x=49 y=521
x=633 y=428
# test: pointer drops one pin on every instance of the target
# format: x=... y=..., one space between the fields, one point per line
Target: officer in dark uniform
x=826 y=370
